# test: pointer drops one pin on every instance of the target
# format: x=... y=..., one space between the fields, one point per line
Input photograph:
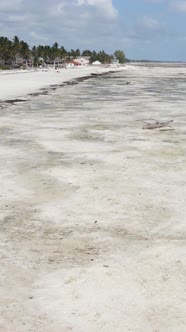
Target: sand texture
x=18 y=84
x=93 y=207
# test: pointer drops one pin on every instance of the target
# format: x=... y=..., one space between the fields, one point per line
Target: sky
x=143 y=29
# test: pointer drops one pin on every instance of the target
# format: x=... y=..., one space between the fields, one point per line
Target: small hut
x=97 y=63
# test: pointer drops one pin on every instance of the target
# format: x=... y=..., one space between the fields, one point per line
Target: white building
x=70 y=65
x=97 y=63
x=82 y=61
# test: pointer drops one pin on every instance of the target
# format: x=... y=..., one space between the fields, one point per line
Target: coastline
x=19 y=85
x=93 y=206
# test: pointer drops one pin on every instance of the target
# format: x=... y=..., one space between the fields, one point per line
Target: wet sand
x=18 y=84
x=93 y=207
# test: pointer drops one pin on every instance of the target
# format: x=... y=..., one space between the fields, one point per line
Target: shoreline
x=93 y=207
x=17 y=87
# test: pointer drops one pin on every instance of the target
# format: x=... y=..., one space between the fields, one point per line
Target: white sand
x=17 y=84
x=93 y=209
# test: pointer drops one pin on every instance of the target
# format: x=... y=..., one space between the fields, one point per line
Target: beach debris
x=6 y=103
x=156 y=124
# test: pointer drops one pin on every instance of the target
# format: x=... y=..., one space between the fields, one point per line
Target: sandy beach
x=92 y=205
x=18 y=84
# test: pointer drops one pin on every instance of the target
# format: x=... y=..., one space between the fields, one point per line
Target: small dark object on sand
x=156 y=124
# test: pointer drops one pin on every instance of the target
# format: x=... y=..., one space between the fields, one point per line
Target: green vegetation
x=5 y=67
x=13 y=52
x=120 y=56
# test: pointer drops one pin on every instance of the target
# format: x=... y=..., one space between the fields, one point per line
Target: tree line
x=11 y=49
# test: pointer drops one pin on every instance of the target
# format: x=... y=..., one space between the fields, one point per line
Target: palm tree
x=6 y=50
x=16 y=46
x=63 y=52
x=24 y=51
x=86 y=53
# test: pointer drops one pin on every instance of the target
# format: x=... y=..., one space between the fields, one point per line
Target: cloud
x=6 y=5
x=84 y=24
x=37 y=36
x=179 y=6
x=104 y=5
x=150 y=23
x=147 y=29
x=72 y=23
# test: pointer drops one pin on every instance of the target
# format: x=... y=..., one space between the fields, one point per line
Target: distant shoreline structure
x=156 y=61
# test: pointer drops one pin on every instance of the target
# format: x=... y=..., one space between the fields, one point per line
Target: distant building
x=82 y=60
x=2 y=62
x=70 y=65
x=58 y=61
x=115 y=61
x=19 y=61
x=97 y=63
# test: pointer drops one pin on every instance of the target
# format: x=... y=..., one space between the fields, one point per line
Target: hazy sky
x=144 y=29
